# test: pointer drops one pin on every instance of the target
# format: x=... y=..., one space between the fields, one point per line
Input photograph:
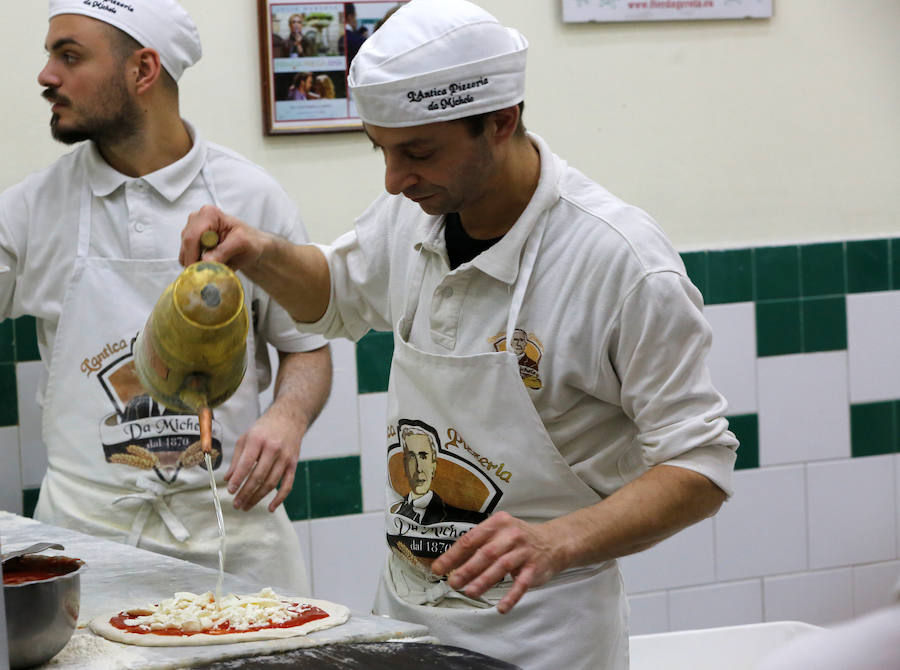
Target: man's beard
x=117 y=118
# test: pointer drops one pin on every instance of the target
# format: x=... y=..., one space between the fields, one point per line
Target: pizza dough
x=196 y=612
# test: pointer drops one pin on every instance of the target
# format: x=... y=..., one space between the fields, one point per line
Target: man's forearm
x=296 y=276
x=656 y=505
x=303 y=384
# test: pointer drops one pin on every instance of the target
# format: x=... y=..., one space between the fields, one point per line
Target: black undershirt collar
x=462 y=248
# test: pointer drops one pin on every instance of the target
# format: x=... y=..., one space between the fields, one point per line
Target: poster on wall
x=305 y=53
x=582 y=11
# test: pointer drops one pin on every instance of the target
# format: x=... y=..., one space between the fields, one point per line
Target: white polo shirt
x=616 y=338
x=138 y=218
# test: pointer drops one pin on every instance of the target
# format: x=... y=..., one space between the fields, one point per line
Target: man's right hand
x=240 y=246
x=295 y=275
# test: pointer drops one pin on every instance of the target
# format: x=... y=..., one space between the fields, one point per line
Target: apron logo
x=139 y=432
x=440 y=494
x=529 y=350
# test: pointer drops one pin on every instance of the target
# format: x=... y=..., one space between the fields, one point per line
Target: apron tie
x=418 y=587
x=152 y=497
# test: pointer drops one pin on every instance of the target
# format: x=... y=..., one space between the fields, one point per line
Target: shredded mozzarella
x=192 y=612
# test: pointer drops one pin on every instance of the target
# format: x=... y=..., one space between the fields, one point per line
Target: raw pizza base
x=337 y=614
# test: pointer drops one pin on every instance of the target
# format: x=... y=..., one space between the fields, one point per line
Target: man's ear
x=504 y=122
x=146 y=69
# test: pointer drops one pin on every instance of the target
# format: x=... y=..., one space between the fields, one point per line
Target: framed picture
x=579 y=11
x=305 y=53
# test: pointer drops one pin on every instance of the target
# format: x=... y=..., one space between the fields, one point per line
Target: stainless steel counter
x=118 y=576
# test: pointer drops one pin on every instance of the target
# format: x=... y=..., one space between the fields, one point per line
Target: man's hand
x=265 y=457
x=240 y=246
x=501 y=545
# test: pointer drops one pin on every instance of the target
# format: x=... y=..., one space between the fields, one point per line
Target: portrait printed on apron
x=528 y=350
x=442 y=489
x=139 y=432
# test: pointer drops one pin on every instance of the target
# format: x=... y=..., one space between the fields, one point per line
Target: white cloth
x=492 y=453
x=81 y=263
x=162 y=25
x=611 y=315
x=437 y=60
x=871 y=642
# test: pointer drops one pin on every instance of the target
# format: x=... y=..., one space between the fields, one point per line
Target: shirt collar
x=170 y=182
x=422 y=501
x=501 y=261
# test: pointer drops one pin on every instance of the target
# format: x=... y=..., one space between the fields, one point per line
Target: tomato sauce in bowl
x=34 y=568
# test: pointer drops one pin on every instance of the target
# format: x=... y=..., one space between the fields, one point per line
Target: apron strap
x=526 y=267
x=152 y=497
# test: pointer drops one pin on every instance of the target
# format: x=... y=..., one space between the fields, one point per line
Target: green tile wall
x=730 y=276
x=335 y=487
x=373 y=361
x=799 y=293
x=822 y=269
x=9 y=402
x=873 y=428
x=746 y=428
x=325 y=487
x=26 y=339
x=7 y=341
x=29 y=501
x=799 y=290
x=868 y=266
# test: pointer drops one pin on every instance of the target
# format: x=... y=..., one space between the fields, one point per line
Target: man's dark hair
x=349 y=9
x=476 y=122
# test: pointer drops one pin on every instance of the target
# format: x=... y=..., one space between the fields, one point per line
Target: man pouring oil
x=549 y=370
x=89 y=244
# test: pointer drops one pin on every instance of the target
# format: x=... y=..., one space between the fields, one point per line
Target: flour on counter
x=86 y=651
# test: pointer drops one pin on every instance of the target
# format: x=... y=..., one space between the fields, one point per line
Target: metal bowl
x=41 y=615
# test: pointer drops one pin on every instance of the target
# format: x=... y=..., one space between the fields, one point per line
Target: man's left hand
x=500 y=545
x=265 y=457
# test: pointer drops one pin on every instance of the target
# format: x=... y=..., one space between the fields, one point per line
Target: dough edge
x=337 y=615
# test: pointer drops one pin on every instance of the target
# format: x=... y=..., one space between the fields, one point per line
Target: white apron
x=491 y=453
x=119 y=465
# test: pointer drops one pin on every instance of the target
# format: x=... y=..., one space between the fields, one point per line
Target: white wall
x=728 y=132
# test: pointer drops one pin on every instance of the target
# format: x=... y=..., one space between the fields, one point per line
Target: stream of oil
x=221 y=522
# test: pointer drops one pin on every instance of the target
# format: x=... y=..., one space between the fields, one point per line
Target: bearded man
x=88 y=245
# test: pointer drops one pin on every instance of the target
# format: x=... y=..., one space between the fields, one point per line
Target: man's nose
x=397 y=176
x=47 y=77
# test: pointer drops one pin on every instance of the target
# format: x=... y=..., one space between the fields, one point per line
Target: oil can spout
x=192 y=352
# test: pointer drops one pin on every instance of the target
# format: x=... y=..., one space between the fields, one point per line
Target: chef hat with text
x=162 y=25
x=437 y=60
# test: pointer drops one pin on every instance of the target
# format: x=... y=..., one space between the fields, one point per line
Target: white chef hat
x=162 y=25
x=437 y=60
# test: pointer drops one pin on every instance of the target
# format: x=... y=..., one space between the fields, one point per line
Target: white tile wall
x=729 y=604
x=301 y=528
x=820 y=598
x=373 y=444
x=873 y=321
x=336 y=431
x=10 y=470
x=31 y=445
x=684 y=559
x=649 y=613
x=842 y=527
x=347 y=556
x=804 y=412
x=875 y=586
x=761 y=530
x=732 y=358
x=897 y=498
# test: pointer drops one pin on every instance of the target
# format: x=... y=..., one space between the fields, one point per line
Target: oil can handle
x=208 y=240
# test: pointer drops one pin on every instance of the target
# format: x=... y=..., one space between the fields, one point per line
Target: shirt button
x=139 y=227
x=447 y=292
